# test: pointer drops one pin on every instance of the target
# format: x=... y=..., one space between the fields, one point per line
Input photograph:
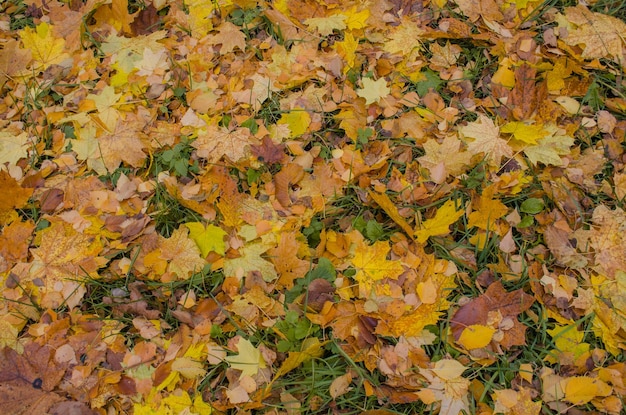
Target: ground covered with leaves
x=312 y=206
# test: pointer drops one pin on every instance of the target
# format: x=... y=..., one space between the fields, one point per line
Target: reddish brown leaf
x=269 y=152
x=495 y=299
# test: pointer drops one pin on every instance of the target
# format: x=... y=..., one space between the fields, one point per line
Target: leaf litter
x=311 y=206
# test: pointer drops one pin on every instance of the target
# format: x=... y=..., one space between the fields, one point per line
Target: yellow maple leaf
x=392 y=210
x=550 y=148
x=13 y=147
x=116 y=14
x=487 y=211
x=63 y=256
x=356 y=19
x=404 y=39
x=372 y=264
x=504 y=76
x=250 y=261
x=248 y=359
x=567 y=339
x=311 y=348
x=230 y=37
x=214 y=142
x=526 y=133
x=446 y=215
x=373 y=91
x=208 y=238
x=189 y=368
x=298 y=121
x=326 y=25
x=46 y=49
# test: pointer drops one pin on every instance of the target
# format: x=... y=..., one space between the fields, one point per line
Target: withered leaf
x=495 y=299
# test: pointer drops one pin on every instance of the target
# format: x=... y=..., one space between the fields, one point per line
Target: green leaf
x=532 y=206
x=374 y=230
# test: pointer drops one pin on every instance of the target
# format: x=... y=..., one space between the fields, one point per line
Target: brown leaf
x=147 y=21
x=319 y=291
x=50 y=199
x=290 y=175
x=269 y=152
x=35 y=366
x=524 y=99
x=495 y=299
x=18 y=397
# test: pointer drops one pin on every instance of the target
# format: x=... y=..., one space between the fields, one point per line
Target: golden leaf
x=446 y=215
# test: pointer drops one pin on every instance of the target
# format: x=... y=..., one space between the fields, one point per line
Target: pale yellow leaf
x=373 y=91
x=248 y=359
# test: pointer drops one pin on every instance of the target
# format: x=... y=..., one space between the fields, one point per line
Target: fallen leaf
x=373 y=91
x=486 y=140
x=248 y=359
x=438 y=225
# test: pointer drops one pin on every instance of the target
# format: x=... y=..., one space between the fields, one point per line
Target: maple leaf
x=487 y=211
x=250 y=261
x=13 y=60
x=105 y=103
x=438 y=225
x=230 y=37
x=487 y=140
x=46 y=49
x=373 y=91
x=474 y=9
x=449 y=152
x=14 y=196
x=311 y=349
x=515 y=402
x=372 y=264
x=603 y=35
x=213 y=143
x=248 y=359
x=298 y=121
x=405 y=39
x=347 y=50
x=550 y=148
x=447 y=386
x=357 y=19
x=177 y=255
x=568 y=341
x=14 y=241
x=13 y=147
x=63 y=257
x=526 y=133
x=116 y=14
x=326 y=25
x=390 y=208
x=286 y=261
x=208 y=238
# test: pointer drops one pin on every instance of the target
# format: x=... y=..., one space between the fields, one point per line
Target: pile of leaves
x=312 y=206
